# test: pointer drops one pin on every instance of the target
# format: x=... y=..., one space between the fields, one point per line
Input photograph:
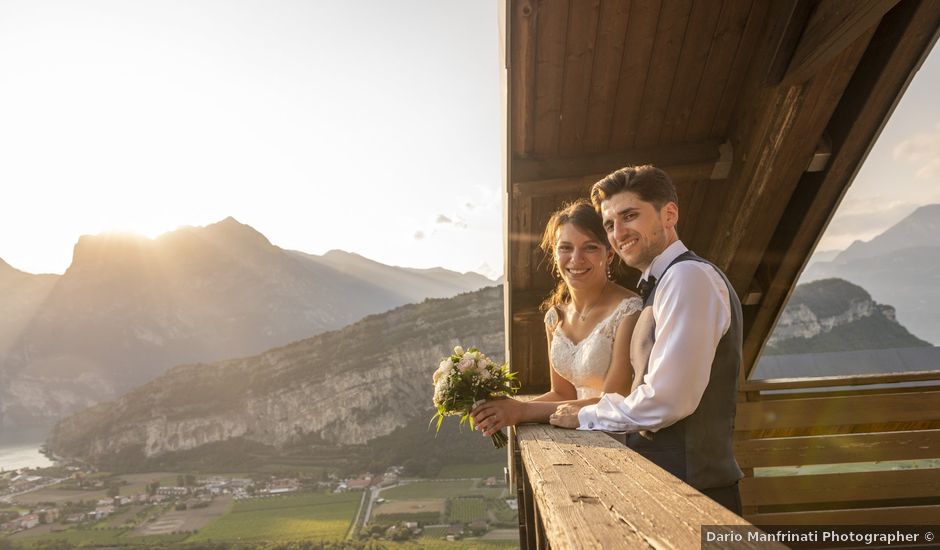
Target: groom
x=686 y=347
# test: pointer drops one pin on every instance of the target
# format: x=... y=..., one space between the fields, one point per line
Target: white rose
x=458 y=350
x=466 y=363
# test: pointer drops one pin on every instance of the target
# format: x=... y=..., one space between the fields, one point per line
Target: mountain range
x=338 y=389
x=128 y=308
x=365 y=390
x=900 y=267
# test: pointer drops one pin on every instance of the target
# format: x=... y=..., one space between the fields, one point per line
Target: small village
x=50 y=501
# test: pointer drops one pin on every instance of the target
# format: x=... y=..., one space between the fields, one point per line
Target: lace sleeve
x=626 y=307
x=551 y=317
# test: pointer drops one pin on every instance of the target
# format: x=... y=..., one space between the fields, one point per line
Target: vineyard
x=466 y=509
x=301 y=517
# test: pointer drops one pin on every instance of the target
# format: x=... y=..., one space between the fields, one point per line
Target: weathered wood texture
x=833 y=25
x=603 y=75
x=849 y=487
x=596 y=83
x=591 y=492
x=901 y=515
x=821 y=415
x=838 y=449
x=831 y=381
x=899 y=45
x=805 y=429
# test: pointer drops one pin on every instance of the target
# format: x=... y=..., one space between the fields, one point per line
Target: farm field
x=467 y=509
x=430 y=508
x=188 y=520
x=463 y=544
x=91 y=537
x=440 y=489
x=463 y=471
x=300 y=517
x=466 y=501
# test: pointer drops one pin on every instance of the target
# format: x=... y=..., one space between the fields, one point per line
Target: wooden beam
x=833 y=27
x=779 y=130
x=851 y=487
x=901 y=515
x=523 y=28
x=838 y=449
x=823 y=412
x=698 y=158
x=790 y=19
x=830 y=381
x=898 y=47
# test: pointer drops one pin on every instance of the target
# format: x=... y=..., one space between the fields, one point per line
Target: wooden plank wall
x=846 y=435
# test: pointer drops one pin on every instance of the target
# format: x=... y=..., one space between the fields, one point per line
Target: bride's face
x=581 y=258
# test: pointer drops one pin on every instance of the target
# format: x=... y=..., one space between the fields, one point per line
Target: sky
x=369 y=126
x=902 y=170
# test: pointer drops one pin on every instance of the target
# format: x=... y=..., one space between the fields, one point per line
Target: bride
x=589 y=321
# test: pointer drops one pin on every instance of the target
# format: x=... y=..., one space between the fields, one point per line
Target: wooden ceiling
x=762 y=111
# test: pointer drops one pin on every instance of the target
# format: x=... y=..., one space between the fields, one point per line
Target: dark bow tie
x=646 y=287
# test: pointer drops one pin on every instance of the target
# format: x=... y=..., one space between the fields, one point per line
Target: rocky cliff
x=344 y=387
x=836 y=315
x=900 y=267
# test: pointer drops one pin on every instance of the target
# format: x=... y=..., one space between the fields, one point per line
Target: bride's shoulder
x=627 y=300
x=622 y=294
x=551 y=316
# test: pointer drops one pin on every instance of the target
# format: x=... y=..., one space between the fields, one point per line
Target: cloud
x=862 y=219
x=457 y=221
x=922 y=149
x=419 y=235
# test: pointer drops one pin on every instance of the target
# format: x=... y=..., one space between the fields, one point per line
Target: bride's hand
x=495 y=414
x=566 y=416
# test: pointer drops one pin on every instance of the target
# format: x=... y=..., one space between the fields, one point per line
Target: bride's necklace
x=582 y=315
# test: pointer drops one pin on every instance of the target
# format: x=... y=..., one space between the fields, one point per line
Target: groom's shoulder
x=692 y=273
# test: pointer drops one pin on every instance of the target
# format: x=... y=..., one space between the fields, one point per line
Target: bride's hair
x=582 y=215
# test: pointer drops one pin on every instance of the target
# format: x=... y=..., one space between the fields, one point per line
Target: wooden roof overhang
x=762 y=111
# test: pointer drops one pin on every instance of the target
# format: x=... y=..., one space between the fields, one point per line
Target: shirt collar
x=661 y=262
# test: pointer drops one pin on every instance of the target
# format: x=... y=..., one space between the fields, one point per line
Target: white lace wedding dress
x=585 y=364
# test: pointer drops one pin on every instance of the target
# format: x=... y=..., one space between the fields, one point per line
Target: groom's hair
x=650 y=184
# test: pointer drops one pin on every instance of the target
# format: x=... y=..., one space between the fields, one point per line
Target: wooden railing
x=817 y=450
x=579 y=489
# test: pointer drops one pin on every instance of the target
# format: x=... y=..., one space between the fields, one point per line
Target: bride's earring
x=609 y=276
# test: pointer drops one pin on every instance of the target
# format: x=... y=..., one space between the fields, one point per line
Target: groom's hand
x=566 y=416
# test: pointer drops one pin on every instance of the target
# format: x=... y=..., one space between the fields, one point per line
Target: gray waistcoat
x=698 y=448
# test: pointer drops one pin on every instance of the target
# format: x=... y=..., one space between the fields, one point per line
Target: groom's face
x=636 y=229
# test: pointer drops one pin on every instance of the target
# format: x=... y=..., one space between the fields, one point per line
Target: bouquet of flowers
x=465 y=378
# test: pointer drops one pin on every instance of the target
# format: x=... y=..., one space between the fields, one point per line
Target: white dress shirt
x=692 y=312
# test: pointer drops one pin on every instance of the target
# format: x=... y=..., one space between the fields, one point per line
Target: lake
x=21 y=450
